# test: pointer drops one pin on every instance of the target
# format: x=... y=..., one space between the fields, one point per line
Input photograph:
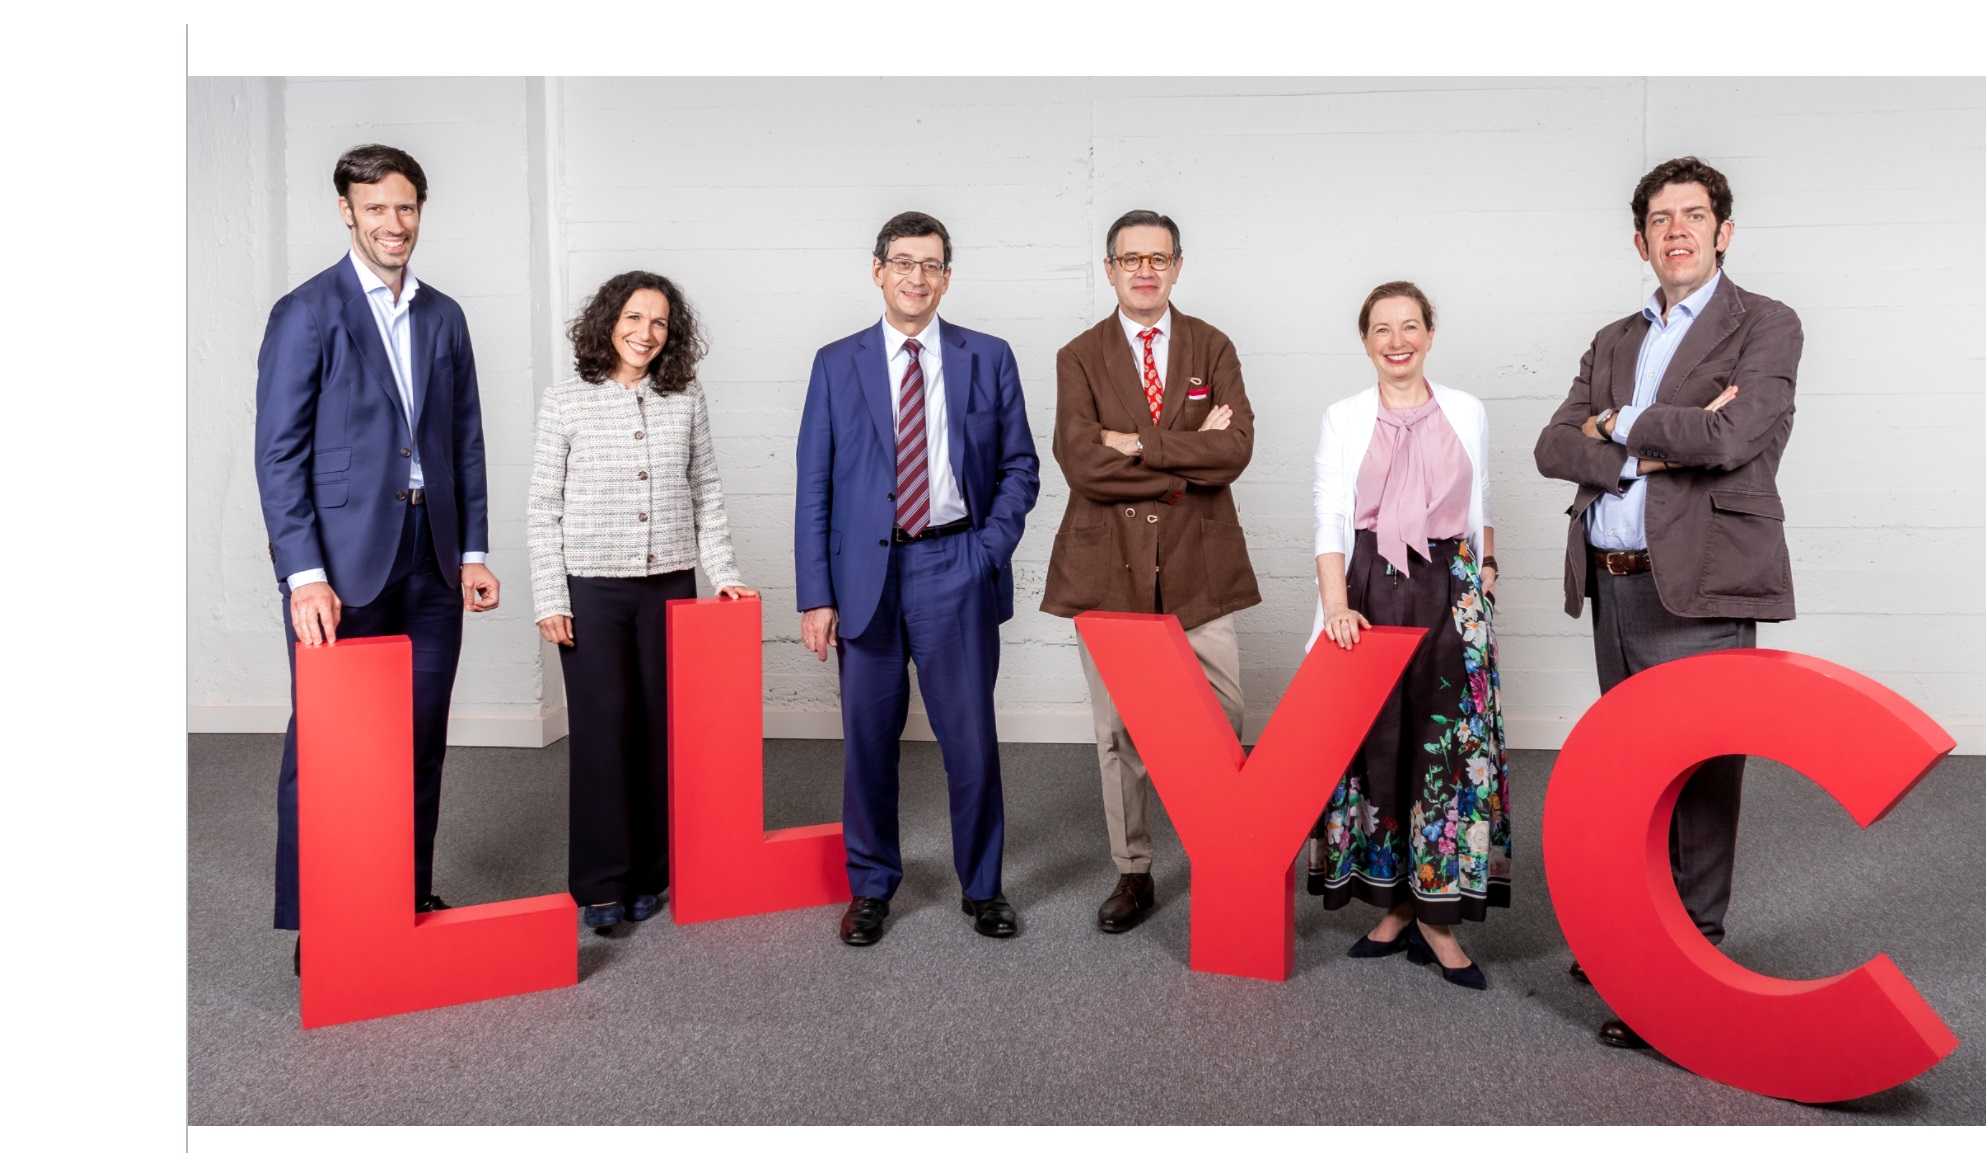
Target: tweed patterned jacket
x=623 y=484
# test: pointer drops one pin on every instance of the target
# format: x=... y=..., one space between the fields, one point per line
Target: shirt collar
x=893 y=340
x=369 y=281
x=1691 y=305
x=1132 y=328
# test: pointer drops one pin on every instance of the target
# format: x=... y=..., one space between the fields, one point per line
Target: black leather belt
x=1621 y=563
x=414 y=496
x=937 y=530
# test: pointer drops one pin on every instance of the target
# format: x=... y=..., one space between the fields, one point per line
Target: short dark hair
x=1389 y=290
x=1683 y=170
x=372 y=163
x=592 y=333
x=907 y=224
x=1140 y=218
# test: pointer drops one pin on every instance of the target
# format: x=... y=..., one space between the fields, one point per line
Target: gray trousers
x=1632 y=632
x=1124 y=787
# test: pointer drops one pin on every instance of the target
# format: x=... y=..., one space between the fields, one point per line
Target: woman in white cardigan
x=1419 y=825
x=624 y=502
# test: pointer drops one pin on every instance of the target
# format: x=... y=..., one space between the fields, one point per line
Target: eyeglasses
x=903 y=265
x=1130 y=261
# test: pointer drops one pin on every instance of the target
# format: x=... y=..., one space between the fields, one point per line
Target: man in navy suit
x=917 y=472
x=369 y=457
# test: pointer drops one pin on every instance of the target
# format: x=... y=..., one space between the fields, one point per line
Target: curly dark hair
x=592 y=331
x=1683 y=170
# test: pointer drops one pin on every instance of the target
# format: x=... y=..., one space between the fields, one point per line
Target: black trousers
x=1632 y=631
x=419 y=603
x=617 y=753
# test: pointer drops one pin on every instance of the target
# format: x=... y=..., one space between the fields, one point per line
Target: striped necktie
x=913 y=469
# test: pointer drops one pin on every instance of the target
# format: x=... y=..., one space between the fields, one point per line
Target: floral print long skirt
x=1422 y=814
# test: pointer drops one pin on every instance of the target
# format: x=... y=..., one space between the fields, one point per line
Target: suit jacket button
x=892 y=496
x=638 y=434
x=1130 y=512
x=641 y=476
x=641 y=516
x=406 y=452
x=1152 y=519
x=399 y=496
x=884 y=543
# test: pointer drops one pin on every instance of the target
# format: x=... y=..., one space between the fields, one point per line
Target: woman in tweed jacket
x=625 y=501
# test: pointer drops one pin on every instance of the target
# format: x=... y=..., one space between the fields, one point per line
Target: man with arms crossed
x=369 y=457
x=916 y=474
x=1673 y=432
x=1152 y=425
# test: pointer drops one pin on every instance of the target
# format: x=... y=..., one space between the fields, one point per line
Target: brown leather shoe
x=1616 y=1033
x=1127 y=904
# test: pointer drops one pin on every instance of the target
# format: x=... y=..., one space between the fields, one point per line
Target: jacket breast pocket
x=1744 y=553
x=329 y=494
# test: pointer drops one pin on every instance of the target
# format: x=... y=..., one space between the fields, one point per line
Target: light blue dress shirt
x=1619 y=523
x=396 y=333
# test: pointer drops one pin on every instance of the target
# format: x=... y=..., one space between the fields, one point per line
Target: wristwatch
x=1600 y=421
x=1138 y=443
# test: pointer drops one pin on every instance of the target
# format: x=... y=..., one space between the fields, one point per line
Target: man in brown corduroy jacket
x=1152 y=425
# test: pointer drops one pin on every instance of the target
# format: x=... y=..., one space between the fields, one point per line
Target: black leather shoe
x=862 y=924
x=1127 y=904
x=1616 y=1033
x=993 y=917
x=430 y=904
x=1578 y=974
x=1367 y=947
x=296 y=958
x=1469 y=976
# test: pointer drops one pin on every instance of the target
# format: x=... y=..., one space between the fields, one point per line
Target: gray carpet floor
x=771 y=1020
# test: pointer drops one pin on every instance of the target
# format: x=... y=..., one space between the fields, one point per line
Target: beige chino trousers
x=1124 y=788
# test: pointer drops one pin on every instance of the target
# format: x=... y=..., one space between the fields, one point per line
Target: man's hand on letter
x=479 y=588
x=314 y=612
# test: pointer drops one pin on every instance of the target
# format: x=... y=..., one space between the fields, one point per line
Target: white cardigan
x=1341 y=449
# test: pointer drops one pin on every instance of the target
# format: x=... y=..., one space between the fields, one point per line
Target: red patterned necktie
x=1154 y=390
x=913 y=471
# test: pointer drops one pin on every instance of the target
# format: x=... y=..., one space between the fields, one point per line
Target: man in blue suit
x=917 y=472
x=369 y=457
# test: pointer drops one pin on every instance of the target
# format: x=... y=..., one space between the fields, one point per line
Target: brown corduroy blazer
x=1716 y=527
x=1121 y=547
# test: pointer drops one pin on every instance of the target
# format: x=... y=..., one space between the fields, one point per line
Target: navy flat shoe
x=1367 y=947
x=600 y=916
x=644 y=906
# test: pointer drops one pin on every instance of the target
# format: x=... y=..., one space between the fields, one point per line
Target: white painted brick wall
x=1857 y=203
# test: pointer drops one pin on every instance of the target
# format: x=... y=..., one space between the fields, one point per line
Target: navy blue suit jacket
x=845 y=507
x=332 y=450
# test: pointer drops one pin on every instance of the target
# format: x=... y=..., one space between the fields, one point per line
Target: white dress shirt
x=1620 y=523
x=396 y=334
x=947 y=502
x=1161 y=344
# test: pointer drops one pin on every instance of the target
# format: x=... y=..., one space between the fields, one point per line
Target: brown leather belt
x=1620 y=563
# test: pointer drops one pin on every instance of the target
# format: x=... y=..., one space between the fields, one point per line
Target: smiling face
x=1681 y=239
x=385 y=219
x=1143 y=294
x=1397 y=339
x=640 y=333
x=910 y=299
